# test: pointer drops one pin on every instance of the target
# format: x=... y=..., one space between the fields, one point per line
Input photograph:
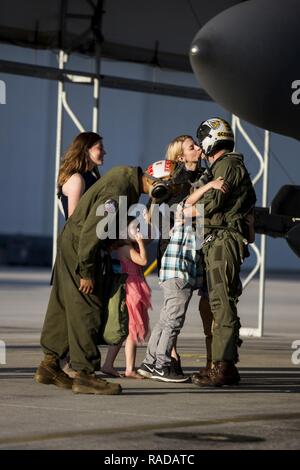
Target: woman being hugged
x=183 y=149
x=78 y=171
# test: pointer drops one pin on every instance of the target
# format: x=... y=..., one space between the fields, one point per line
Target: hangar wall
x=136 y=128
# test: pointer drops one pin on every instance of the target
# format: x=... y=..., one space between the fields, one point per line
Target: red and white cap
x=161 y=169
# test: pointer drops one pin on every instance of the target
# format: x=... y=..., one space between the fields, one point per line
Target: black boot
x=176 y=365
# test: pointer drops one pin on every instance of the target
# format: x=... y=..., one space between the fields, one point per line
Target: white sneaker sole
x=166 y=379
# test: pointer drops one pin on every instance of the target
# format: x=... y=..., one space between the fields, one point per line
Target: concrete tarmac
x=263 y=412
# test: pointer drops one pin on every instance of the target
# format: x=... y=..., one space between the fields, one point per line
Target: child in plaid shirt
x=180 y=274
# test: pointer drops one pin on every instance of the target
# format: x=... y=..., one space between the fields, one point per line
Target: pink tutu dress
x=138 y=300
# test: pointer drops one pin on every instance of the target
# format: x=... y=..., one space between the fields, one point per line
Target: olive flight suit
x=225 y=250
x=73 y=318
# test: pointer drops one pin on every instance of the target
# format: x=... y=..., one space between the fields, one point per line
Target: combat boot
x=50 y=373
x=223 y=373
x=84 y=382
x=202 y=372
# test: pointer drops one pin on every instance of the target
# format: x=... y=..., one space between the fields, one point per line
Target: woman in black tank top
x=79 y=169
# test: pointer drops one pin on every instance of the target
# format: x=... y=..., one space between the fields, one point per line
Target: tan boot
x=50 y=373
x=84 y=382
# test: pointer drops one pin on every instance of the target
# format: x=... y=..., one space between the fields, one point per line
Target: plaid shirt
x=181 y=259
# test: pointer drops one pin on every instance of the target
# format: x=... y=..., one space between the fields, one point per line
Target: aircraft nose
x=200 y=51
x=248 y=62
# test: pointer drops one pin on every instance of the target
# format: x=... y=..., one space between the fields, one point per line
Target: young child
x=132 y=257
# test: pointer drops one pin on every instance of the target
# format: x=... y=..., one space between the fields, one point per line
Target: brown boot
x=203 y=371
x=84 y=382
x=223 y=373
x=50 y=373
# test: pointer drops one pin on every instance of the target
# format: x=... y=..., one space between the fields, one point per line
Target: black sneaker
x=176 y=365
x=168 y=374
x=146 y=370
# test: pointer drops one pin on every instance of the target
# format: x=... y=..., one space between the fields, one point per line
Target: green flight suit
x=224 y=220
x=73 y=319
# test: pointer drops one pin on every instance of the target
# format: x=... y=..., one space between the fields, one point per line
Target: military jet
x=247 y=60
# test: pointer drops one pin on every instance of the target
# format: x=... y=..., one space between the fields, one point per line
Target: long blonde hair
x=174 y=150
x=76 y=158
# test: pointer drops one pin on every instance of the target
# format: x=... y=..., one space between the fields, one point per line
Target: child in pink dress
x=138 y=301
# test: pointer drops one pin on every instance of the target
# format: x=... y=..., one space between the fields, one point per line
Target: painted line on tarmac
x=269 y=371
x=93 y=411
x=193 y=355
x=147 y=427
